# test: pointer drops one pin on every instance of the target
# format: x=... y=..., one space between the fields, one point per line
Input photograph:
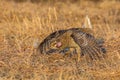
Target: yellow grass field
x=22 y=24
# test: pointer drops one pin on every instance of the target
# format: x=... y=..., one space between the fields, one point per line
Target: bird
x=73 y=40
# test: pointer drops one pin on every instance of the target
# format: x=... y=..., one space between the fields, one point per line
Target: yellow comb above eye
x=53 y=45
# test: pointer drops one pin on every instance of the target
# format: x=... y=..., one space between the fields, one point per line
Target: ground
x=23 y=24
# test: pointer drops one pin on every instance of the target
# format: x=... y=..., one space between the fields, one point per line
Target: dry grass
x=21 y=24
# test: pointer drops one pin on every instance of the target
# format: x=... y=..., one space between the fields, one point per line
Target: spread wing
x=88 y=44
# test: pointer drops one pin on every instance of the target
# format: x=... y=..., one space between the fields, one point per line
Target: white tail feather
x=87 y=23
x=36 y=43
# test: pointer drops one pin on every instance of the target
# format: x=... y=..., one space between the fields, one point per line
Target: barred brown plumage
x=79 y=39
x=88 y=44
x=45 y=44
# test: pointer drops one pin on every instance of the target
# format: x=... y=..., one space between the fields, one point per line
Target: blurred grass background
x=23 y=22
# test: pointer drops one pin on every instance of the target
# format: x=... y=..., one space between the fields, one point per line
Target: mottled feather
x=79 y=38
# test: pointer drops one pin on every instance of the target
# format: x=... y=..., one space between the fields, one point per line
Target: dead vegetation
x=23 y=23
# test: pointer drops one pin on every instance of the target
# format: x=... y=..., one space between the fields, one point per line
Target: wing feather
x=88 y=44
